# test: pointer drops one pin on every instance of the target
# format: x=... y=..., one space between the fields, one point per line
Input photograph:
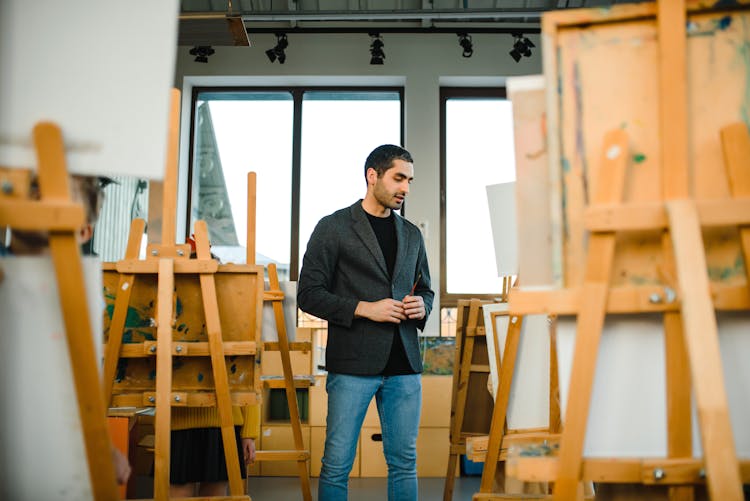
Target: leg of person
x=182 y=490
x=215 y=476
x=183 y=465
x=348 y=398
x=213 y=489
x=399 y=403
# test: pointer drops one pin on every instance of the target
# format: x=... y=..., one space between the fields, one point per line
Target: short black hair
x=381 y=158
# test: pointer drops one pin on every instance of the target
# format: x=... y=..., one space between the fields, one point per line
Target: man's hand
x=385 y=310
x=414 y=307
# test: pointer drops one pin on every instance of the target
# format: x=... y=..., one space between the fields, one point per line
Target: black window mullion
x=296 y=174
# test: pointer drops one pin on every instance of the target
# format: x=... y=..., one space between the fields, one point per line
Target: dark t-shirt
x=385 y=231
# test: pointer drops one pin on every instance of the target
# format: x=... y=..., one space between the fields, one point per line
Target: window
x=307 y=146
x=338 y=132
x=477 y=150
x=236 y=133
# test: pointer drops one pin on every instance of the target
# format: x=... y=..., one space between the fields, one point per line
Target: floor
x=360 y=489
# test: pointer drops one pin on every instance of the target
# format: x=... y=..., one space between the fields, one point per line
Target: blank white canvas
x=501 y=200
x=101 y=70
x=269 y=329
x=42 y=454
x=528 y=403
x=627 y=417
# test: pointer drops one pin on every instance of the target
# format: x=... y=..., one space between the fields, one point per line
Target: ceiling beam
x=402 y=15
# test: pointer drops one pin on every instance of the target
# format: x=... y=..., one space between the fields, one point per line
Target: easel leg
x=54 y=183
x=120 y=313
x=163 y=380
x=500 y=409
x=218 y=363
x=702 y=342
x=291 y=393
x=464 y=351
x=450 y=475
x=679 y=418
x=600 y=255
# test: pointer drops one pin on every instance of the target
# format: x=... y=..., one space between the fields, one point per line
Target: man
x=365 y=272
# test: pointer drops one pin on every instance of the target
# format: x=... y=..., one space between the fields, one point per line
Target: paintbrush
x=414 y=287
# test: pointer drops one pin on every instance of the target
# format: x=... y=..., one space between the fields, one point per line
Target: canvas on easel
x=471 y=401
x=182 y=330
x=527 y=411
x=647 y=203
x=110 y=94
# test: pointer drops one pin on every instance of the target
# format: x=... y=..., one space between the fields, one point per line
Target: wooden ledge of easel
x=127 y=412
x=496 y=496
x=276 y=382
x=618 y=470
x=622 y=299
x=476 y=447
x=151 y=266
x=292 y=455
x=294 y=346
x=653 y=216
x=35 y=215
x=183 y=399
x=459 y=446
x=181 y=265
x=212 y=498
x=186 y=349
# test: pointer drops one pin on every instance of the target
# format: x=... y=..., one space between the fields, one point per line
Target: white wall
x=419 y=62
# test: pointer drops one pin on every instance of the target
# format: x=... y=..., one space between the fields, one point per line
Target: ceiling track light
x=277 y=52
x=376 y=49
x=464 y=40
x=521 y=47
x=201 y=53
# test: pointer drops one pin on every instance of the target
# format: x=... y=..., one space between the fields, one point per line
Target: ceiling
x=232 y=22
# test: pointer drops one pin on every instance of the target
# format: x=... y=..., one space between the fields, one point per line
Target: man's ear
x=85 y=233
x=372 y=176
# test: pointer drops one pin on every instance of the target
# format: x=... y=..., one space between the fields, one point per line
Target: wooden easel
x=494 y=447
x=470 y=372
x=55 y=212
x=300 y=455
x=692 y=347
x=169 y=267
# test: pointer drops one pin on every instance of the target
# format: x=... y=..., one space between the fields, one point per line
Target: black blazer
x=343 y=265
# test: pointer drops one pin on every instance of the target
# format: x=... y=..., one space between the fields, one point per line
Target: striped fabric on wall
x=124 y=201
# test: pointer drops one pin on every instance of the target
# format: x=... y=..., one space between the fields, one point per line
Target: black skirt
x=197 y=455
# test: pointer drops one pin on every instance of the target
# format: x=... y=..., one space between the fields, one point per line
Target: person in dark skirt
x=197 y=462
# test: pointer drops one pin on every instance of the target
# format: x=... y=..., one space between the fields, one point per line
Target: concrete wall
x=422 y=63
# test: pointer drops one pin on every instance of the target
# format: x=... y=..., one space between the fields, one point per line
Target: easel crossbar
x=654 y=216
x=652 y=471
x=623 y=299
x=42 y=215
x=183 y=399
x=187 y=349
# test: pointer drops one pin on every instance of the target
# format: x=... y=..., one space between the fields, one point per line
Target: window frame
x=297 y=93
x=450 y=300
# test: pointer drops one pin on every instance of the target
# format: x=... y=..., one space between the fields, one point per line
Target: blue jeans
x=399 y=401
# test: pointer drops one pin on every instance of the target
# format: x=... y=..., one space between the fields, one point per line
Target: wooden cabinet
x=279 y=437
